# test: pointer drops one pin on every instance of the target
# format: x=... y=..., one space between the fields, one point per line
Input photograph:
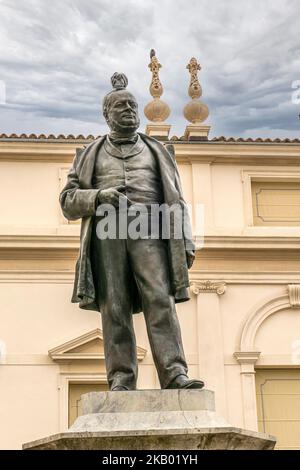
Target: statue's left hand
x=190 y=258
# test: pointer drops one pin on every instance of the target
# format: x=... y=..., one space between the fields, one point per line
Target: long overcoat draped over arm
x=78 y=200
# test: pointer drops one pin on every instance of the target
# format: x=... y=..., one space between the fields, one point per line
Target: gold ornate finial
x=195 y=90
x=156 y=89
x=195 y=111
x=156 y=110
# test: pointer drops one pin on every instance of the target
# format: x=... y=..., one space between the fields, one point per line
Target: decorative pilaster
x=294 y=295
x=208 y=286
x=247 y=361
x=195 y=111
x=157 y=111
x=210 y=338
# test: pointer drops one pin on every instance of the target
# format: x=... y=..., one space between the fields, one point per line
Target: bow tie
x=124 y=140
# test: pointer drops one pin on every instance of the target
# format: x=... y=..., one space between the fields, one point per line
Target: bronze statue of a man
x=119 y=276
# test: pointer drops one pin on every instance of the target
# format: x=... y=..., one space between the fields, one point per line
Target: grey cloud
x=57 y=57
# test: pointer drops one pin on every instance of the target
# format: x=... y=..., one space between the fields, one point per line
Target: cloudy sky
x=57 y=57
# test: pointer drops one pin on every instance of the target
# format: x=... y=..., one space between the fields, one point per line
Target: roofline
x=173 y=140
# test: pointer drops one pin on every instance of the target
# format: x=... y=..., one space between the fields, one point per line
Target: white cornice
x=247 y=357
x=222 y=242
x=72 y=343
x=243 y=277
x=59 y=276
x=258 y=154
x=38 y=151
x=36 y=276
x=212 y=152
x=233 y=242
x=63 y=352
x=54 y=241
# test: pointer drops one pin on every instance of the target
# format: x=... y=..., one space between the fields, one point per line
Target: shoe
x=183 y=382
x=119 y=388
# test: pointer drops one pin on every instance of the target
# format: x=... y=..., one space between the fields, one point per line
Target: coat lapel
x=167 y=169
x=87 y=162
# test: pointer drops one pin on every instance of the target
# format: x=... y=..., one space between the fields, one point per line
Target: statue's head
x=120 y=107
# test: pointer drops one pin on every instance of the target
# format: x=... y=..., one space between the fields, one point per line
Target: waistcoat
x=132 y=166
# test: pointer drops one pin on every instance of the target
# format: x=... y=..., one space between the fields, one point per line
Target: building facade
x=241 y=328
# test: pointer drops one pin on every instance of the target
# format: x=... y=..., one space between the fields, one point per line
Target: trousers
x=118 y=265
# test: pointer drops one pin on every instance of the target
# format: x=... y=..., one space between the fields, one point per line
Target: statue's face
x=122 y=112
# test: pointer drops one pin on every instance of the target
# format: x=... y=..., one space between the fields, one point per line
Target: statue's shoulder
x=149 y=139
x=95 y=143
x=155 y=142
x=166 y=149
x=82 y=152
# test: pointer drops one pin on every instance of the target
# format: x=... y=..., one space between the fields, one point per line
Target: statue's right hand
x=112 y=196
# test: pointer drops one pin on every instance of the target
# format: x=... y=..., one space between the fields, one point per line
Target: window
x=75 y=392
x=278 y=405
x=276 y=203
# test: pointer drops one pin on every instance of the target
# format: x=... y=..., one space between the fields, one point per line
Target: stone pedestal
x=196 y=132
x=152 y=420
x=159 y=130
